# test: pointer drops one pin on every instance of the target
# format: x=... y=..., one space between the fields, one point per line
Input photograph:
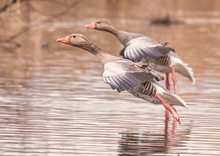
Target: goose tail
x=174 y=99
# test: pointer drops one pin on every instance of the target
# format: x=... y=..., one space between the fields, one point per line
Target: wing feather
x=141 y=47
x=123 y=75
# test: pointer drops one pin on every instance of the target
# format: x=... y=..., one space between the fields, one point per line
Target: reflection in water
x=53 y=100
x=148 y=143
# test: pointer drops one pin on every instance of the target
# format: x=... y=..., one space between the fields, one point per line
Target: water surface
x=53 y=100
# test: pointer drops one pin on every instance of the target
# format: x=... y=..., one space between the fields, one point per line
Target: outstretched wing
x=123 y=75
x=142 y=47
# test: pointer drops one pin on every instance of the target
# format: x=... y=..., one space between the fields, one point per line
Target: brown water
x=53 y=100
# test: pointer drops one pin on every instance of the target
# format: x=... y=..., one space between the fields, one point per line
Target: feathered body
x=158 y=56
x=125 y=75
x=138 y=47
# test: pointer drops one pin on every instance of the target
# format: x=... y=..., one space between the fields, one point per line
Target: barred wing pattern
x=123 y=75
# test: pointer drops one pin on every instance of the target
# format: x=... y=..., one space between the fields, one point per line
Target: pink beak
x=91 y=25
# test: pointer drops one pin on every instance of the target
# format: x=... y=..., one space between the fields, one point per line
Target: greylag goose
x=124 y=75
x=138 y=47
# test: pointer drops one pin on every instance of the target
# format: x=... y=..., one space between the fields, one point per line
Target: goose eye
x=99 y=22
x=74 y=36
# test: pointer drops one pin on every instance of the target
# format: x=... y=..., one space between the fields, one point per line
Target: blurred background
x=53 y=100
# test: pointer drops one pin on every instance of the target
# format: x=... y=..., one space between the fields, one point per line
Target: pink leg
x=174 y=79
x=168 y=107
x=166 y=115
x=167 y=81
x=166 y=111
x=168 y=88
x=166 y=127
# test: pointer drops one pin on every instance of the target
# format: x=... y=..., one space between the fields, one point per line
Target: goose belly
x=146 y=91
x=144 y=96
